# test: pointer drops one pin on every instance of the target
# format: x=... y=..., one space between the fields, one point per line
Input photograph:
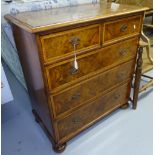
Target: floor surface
x=124 y=132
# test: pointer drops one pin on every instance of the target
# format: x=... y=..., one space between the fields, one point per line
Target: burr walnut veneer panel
x=79 y=94
x=87 y=115
x=122 y=28
x=61 y=73
x=59 y=44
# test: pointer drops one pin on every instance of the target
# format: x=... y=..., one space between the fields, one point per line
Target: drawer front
x=63 y=73
x=60 y=44
x=77 y=95
x=121 y=28
x=90 y=113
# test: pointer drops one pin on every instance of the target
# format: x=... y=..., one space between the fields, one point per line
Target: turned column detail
x=137 y=77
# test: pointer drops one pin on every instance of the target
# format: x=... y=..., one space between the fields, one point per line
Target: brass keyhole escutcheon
x=75 y=41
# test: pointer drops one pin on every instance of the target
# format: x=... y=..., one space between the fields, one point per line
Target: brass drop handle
x=117 y=96
x=75 y=96
x=123 y=28
x=123 y=52
x=76 y=120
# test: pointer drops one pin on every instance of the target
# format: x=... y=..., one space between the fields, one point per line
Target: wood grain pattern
x=92 y=112
x=123 y=27
x=43 y=20
x=28 y=54
x=59 y=44
x=77 y=95
x=60 y=74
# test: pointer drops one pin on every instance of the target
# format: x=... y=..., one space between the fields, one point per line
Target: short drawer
x=87 y=115
x=62 y=73
x=60 y=44
x=121 y=28
x=79 y=94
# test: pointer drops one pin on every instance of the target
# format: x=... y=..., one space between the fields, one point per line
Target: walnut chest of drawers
x=104 y=37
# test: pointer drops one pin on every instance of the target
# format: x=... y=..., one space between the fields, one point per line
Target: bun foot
x=125 y=106
x=59 y=148
x=36 y=116
x=37 y=121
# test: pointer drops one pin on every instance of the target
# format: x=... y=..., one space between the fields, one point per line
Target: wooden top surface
x=37 y=21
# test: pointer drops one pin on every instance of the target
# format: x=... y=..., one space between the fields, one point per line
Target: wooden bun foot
x=59 y=148
x=36 y=116
x=125 y=106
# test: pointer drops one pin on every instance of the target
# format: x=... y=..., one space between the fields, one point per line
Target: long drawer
x=62 y=73
x=85 y=116
x=121 y=28
x=60 y=44
x=77 y=95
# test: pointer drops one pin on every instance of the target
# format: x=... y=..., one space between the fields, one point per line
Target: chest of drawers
x=104 y=39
